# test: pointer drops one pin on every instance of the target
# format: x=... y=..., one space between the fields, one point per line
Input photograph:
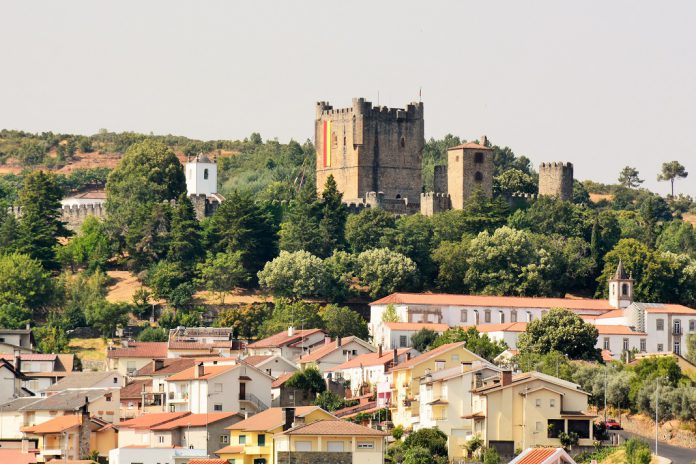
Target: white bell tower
x=620 y=288
x=201 y=176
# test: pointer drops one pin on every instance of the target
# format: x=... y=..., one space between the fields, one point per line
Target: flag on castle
x=326 y=144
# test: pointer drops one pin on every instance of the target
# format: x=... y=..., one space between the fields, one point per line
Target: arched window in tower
x=624 y=289
x=478 y=158
x=403 y=142
x=478 y=177
x=205 y=174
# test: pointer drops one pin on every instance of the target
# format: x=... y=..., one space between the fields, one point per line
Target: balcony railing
x=251 y=398
x=676 y=330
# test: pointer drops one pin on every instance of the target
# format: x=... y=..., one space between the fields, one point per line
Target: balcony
x=676 y=330
x=256 y=450
x=52 y=452
x=253 y=399
x=173 y=397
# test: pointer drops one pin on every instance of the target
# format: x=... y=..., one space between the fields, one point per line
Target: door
x=242 y=391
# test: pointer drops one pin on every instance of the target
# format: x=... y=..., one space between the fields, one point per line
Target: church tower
x=201 y=176
x=620 y=288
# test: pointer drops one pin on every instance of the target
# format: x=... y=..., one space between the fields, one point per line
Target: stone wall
x=440 y=178
x=556 y=180
x=314 y=457
x=372 y=149
x=469 y=169
x=432 y=203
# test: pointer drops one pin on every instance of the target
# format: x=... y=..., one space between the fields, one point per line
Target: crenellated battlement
x=362 y=107
x=434 y=202
x=556 y=165
x=556 y=179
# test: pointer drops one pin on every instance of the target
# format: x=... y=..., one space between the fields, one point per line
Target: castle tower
x=201 y=176
x=556 y=180
x=620 y=288
x=370 y=149
x=469 y=168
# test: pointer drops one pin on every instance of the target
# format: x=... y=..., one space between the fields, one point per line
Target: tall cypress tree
x=300 y=227
x=40 y=224
x=332 y=225
x=185 y=245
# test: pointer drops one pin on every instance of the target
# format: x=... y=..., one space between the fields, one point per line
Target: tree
x=153 y=334
x=341 y=321
x=309 y=379
x=245 y=320
x=654 y=211
x=560 y=330
x=24 y=282
x=384 y=271
x=79 y=291
x=490 y=456
x=549 y=215
x=149 y=173
x=365 y=229
x=298 y=231
x=295 y=275
x=333 y=214
x=672 y=171
x=91 y=248
x=185 y=245
x=13 y=316
x=475 y=342
x=40 y=225
x=287 y=313
x=106 y=317
x=239 y=224
x=330 y=401
x=678 y=237
x=514 y=181
x=164 y=277
x=432 y=439
x=568 y=439
x=552 y=363
x=389 y=314
x=413 y=237
x=628 y=177
x=222 y=273
x=9 y=231
x=50 y=339
x=422 y=340
x=637 y=451
x=691 y=347
x=417 y=455
x=450 y=259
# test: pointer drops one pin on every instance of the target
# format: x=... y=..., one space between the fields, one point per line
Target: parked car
x=611 y=424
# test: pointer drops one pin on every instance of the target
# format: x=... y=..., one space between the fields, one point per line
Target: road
x=677 y=454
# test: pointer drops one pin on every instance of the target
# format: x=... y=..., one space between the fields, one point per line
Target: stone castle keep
x=375 y=156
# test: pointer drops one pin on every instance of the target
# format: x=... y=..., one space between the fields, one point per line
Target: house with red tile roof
x=131 y=356
x=543 y=456
x=212 y=387
x=273 y=365
x=41 y=370
x=333 y=353
x=398 y=334
x=203 y=341
x=290 y=344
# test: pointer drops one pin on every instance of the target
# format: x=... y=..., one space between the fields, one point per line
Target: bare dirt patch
x=597 y=197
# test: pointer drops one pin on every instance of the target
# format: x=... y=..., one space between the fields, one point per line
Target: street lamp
x=657 y=411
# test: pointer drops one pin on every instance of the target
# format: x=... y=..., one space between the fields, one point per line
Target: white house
x=290 y=344
x=142 y=455
x=208 y=387
x=398 y=334
x=333 y=353
x=275 y=366
x=11 y=382
x=202 y=341
x=41 y=370
x=13 y=340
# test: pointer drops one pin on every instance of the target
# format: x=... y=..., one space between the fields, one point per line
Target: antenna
x=378 y=98
x=420 y=94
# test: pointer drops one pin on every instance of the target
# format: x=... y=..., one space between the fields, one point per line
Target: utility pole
x=657 y=409
x=605 y=396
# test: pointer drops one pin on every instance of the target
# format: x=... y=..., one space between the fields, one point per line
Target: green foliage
x=677 y=237
x=389 y=314
x=13 y=316
x=432 y=439
x=300 y=226
x=384 y=271
x=40 y=225
x=365 y=229
x=398 y=432
x=330 y=401
x=341 y=321
x=222 y=273
x=309 y=379
x=672 y=171
x=563 y=331
x=164 y=277
x=475 y=342
x=568 y=439
x=637 y=451
x=450 y=259
x=549 y=215
x=423 y=339
x=50 y=339
x=628 y=177
x=333 y=216
x=413 y=237
x=514 y=181
x=245 y=320
x=287 y=313
x=691 y=348
x=90 y=249
x=153 y=334
x=295 y=275
x=185 y=243
x=79 y=291
x=490 y=456
x=553 y=363
x=106 y=317
x=24 y=282
x=417 y=455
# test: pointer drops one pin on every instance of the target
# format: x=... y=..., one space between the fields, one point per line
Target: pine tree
x=185 y=245
x=332 y=225
x=300 y=227
x=40 y=224
x=9 y=230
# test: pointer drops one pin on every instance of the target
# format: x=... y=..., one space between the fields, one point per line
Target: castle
x=375 y=156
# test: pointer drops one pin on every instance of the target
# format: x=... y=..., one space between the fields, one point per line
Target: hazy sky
x=603 y=84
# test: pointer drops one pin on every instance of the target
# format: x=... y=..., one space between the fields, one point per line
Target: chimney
x=478 y=379
x=483 y=141
x=84 y=444
x=25 y=446
x=289 y=418
x=338 y=342
x=291 y=331
x=395 y=360
x=158 y=364
x=199 y=371
x=327 y=340
x=17 y=360
x=408 y=356
x=506 y=377
x=379 y=350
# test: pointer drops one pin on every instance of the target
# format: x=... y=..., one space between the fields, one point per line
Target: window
x=555 y=427
x=513 y=316
x=487 y=316
x=677 y=348
x=660 y=347
x=464 y=314
x=402 y=341
x=642 y=345
x=261 y=440
x=538 y=402
x=224 y=439
x=172 y=408
x=676 y=327
x=161 y=438
x=478 y=177
x=502 y=317
x=625 y=344
x=552 y=402
x=606 y=343
x=242 y=439
x=130 y=365
x=403 y=142
x=692 y=325
x=478 y=158
x=131 y=405
x=624 y=289
x=218 y=388
x=334 y=447
x=660 y=324
x=108 y=397
x=439 y=365
x=366 y=445
x=115 y=379
x=217 y=407
x=581 y=427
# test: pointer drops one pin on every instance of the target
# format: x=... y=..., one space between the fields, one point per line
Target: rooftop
x=170 y=366
x=148 y=421
x=428 y=355
x=196 y=420
x=283 y=339
x=208 y=372
x=55 y=425
x=135 y=389
x=140 y=350
x=270 y=419
x=543 y=456
x=470 y=145
x=370 y=359
x=282 y=378
x=84 y=380
x=659 y=308
x=327 y=348
x=69 y=400
x=335 y=427
x=15 y=456
x=446 y=299
x=229 y=450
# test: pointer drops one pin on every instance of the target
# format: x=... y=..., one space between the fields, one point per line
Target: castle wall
x=468 y=171
x=440 y=178
x=434 y=202
x=371 y=149
x=556 y=180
